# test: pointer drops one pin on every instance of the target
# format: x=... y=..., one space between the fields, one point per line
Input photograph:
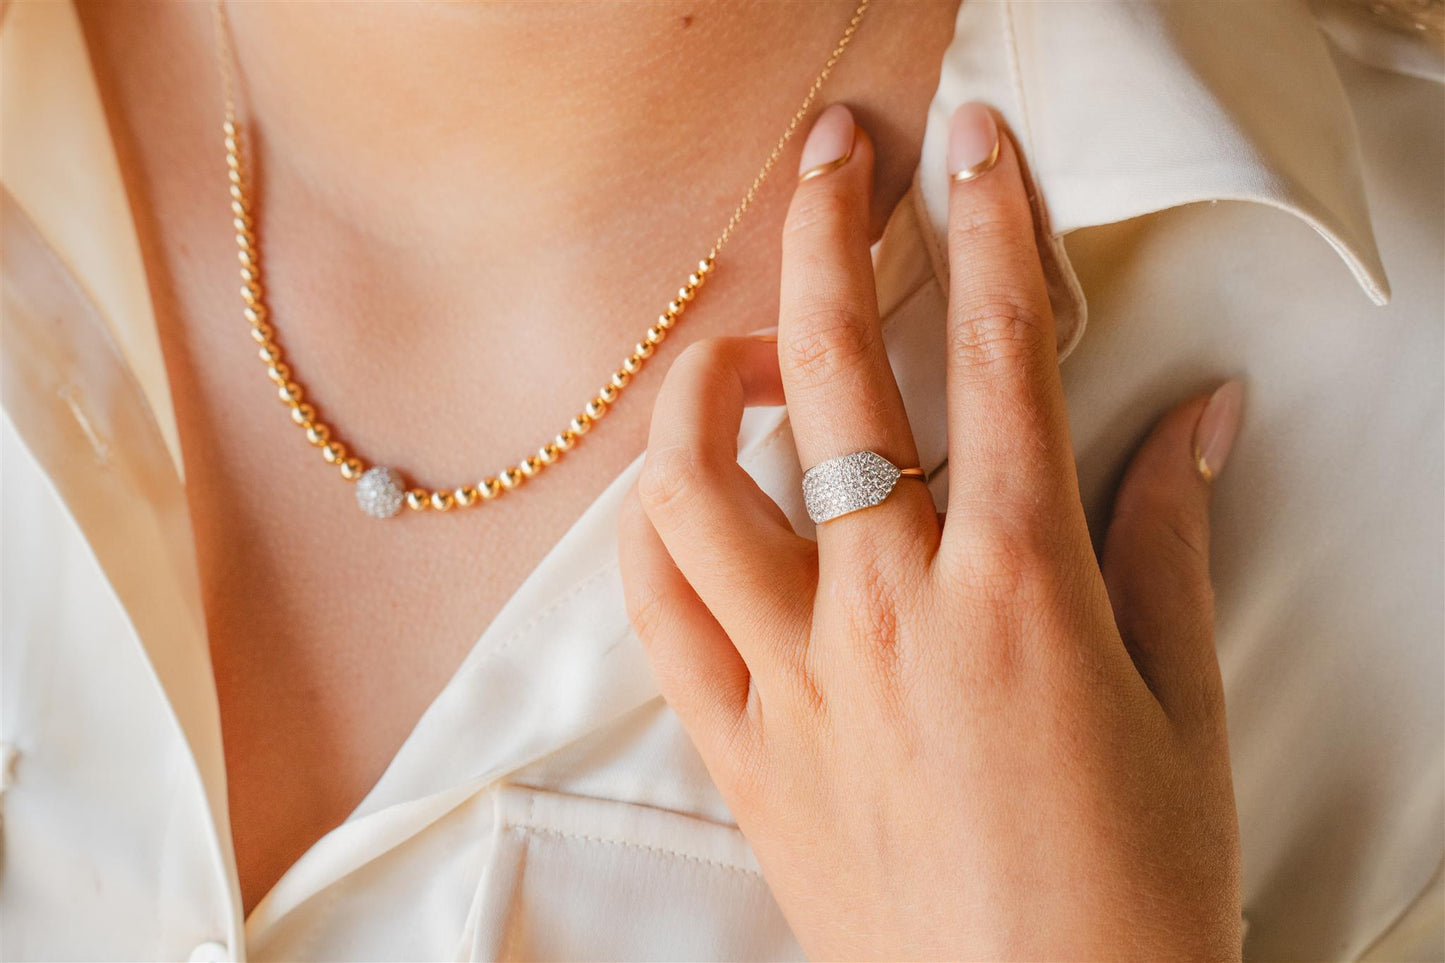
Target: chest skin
x=330 y=633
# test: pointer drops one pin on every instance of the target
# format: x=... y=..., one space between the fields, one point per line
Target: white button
x=210 y=952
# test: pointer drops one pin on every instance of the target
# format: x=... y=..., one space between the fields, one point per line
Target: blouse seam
x=1015 y=66
x=629 y=844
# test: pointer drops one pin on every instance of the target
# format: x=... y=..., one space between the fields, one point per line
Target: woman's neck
x=493 y=123
x=481 y=201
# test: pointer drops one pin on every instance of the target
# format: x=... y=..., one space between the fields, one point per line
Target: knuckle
x=699 y=361
x=670 y=476
x=1174 y=538
x=828 y=341
x=1009 y=560
x=647 y=610
x=998 y=331
x=869 y=600
x=1184 y=539
x=824 y=208
x=985 y=220
x=750 y=782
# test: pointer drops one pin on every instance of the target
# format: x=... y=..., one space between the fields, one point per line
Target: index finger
x=1008 y=441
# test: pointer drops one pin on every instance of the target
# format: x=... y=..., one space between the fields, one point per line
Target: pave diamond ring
x=846 y=484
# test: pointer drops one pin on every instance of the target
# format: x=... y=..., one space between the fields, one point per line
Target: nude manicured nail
x=1217 y=428
x=829 y=143
x=972 y=142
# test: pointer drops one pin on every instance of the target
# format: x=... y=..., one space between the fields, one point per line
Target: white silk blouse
x=1224 y=185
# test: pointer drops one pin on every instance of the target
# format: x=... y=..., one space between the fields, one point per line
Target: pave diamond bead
x=842 y=485
x=380 y=492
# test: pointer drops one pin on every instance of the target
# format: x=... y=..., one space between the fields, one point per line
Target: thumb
x=1156 y=553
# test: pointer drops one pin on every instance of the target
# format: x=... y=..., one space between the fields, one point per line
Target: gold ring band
x=918 y=473
x=982 y=167
x=829 y=167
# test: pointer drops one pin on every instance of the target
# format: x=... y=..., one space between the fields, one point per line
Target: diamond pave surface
x=380 y=492
x=842 y=485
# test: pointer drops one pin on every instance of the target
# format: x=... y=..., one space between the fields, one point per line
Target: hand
x=941 y=738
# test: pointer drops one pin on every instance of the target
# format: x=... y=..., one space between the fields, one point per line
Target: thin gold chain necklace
x=381 y=492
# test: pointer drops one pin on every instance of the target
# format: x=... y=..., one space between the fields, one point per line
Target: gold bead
x=261 y=333
x=234 y=175
x=241 y=221
x=489 y=488
x=245 y=239
x=705 y=266
x=229 y=127
x=685 y=294
x=694 y=281
x=290 y=392
x=442 y=501
x=675 y=308
x=251 y=277
x=548 y=453
x=247 y=257
x=607 y=393
x=417 y=500
x=642 y=349
x=269 y=353
x=633 y=364
x=621 y=377
x=596 y=408
x=318 y=434
x=566 y=440
x=656 y=334
x=352 y=469
x=238 y=208
x=280 y=373
x=465 y=495
x=666 y=321
x=581 y=424
x=303 y=414
x=254 y=313
x=334 y=453
x=529 y=466
x=237 y=194
x=510 y=478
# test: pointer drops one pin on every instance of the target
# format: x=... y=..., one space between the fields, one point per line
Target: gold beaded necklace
x=381 y=491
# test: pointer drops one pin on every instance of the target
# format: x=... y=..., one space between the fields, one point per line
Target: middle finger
x=841 y=393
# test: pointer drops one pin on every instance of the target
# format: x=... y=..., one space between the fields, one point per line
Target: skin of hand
x=959 y=736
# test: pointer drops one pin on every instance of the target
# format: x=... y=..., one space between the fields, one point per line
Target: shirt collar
x=59 y=165
x=1126 y=109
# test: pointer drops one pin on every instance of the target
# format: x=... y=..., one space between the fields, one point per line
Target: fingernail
x=769 y=335
x=1217 y=428
x=972 y=142
x=829 y=143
